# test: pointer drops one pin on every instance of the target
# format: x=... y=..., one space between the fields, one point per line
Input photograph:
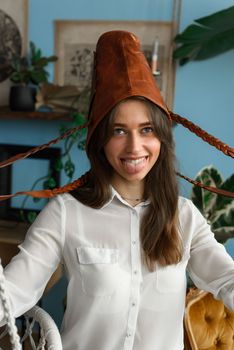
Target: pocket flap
x=90 y=255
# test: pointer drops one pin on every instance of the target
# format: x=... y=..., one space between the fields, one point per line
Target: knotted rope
x=213 y=141
x=10 y=320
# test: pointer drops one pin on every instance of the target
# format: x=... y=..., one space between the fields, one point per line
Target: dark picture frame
x=8 y=211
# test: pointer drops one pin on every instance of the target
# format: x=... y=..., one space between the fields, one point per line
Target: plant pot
x=22 y=98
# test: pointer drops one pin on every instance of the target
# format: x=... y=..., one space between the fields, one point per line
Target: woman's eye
x=118 y=131
x=147 y=130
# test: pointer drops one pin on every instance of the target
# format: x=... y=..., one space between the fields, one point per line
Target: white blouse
x=113 y=301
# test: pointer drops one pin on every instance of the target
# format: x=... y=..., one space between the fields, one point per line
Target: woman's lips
x=133 y=166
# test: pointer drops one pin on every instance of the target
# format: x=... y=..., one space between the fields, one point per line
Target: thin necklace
x=133 y=199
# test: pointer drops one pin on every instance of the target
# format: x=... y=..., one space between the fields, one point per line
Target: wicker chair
x=39 y=331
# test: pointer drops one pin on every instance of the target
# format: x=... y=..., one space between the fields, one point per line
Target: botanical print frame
x=16 y=12
x=75 y=42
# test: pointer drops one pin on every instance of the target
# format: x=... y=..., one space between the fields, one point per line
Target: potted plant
x=27 y=73
x=218 y=210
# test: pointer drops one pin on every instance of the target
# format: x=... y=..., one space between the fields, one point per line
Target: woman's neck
x=133 y=193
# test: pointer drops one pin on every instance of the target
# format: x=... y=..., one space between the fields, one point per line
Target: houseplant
x=218 y=210
x=207 y=37
x=27 y=73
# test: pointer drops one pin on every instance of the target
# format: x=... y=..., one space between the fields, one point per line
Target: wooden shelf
x=12 y=232
x=11 y=235
x=12 y=115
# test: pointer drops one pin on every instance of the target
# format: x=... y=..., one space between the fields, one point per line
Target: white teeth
x=134 y=161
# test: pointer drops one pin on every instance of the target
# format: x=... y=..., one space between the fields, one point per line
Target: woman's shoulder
x=189 y=214
x=186 y=206
x=60 y=203
x=184 y=202
x=65 y=197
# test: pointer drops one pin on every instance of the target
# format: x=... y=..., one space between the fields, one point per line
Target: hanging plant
x=63 y=163
x=207 y=37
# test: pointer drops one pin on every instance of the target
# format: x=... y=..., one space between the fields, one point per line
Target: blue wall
x=203 y=90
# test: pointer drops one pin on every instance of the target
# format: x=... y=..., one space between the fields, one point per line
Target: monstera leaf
x=207 y=37
x=218 y=210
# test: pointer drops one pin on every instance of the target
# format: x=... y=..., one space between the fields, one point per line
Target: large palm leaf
x=207 y=37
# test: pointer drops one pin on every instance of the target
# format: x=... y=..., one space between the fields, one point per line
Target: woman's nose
x=133 y=143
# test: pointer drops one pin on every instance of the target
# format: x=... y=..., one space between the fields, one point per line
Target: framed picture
x=75 y=42
x=14 y=40
x=32 y=171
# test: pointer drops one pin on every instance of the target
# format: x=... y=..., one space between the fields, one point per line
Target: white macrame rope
x=49 y=335
x=10 y=320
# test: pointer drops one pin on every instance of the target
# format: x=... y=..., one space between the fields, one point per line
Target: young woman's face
x=133 y=148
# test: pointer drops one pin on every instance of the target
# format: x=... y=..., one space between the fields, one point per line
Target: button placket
x=135 y=282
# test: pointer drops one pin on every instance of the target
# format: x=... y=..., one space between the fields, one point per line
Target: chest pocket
x=172 y=278
x=99 y=270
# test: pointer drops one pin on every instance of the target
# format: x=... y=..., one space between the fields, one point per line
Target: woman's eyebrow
x=141 y=124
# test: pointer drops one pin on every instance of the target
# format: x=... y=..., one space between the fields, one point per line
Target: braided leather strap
x=84 y=178
x=213 y=141
x=19 y=156
x=50 y=193
x=208 y=188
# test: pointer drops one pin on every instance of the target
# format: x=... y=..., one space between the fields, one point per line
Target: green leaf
x=221 y=19
x=203 y=199
x=78 y=118
x=81 y=145
x=69 y=168
x=50 y=183
x=207 y=37
x=224 y=217
x=39 y=76
x=31 y=216
x=31 y=69
x=222 y=234
x=192 y=34
x=187 y=51
x=228 y=185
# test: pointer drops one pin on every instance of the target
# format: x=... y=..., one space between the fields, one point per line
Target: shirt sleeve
x=210 y=266
x=29 y=271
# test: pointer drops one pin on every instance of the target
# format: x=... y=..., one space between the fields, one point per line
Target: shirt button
x=133 y=242
x=135 y=272
x=133 y=304
x=128 y=335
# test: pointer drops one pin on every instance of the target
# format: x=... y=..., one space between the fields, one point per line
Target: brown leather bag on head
x=120 y=71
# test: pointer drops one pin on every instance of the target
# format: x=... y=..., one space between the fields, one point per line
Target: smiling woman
x=133 y=148
x=124 y=235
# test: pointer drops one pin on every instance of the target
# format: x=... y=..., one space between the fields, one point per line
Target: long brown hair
x=159 y=232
